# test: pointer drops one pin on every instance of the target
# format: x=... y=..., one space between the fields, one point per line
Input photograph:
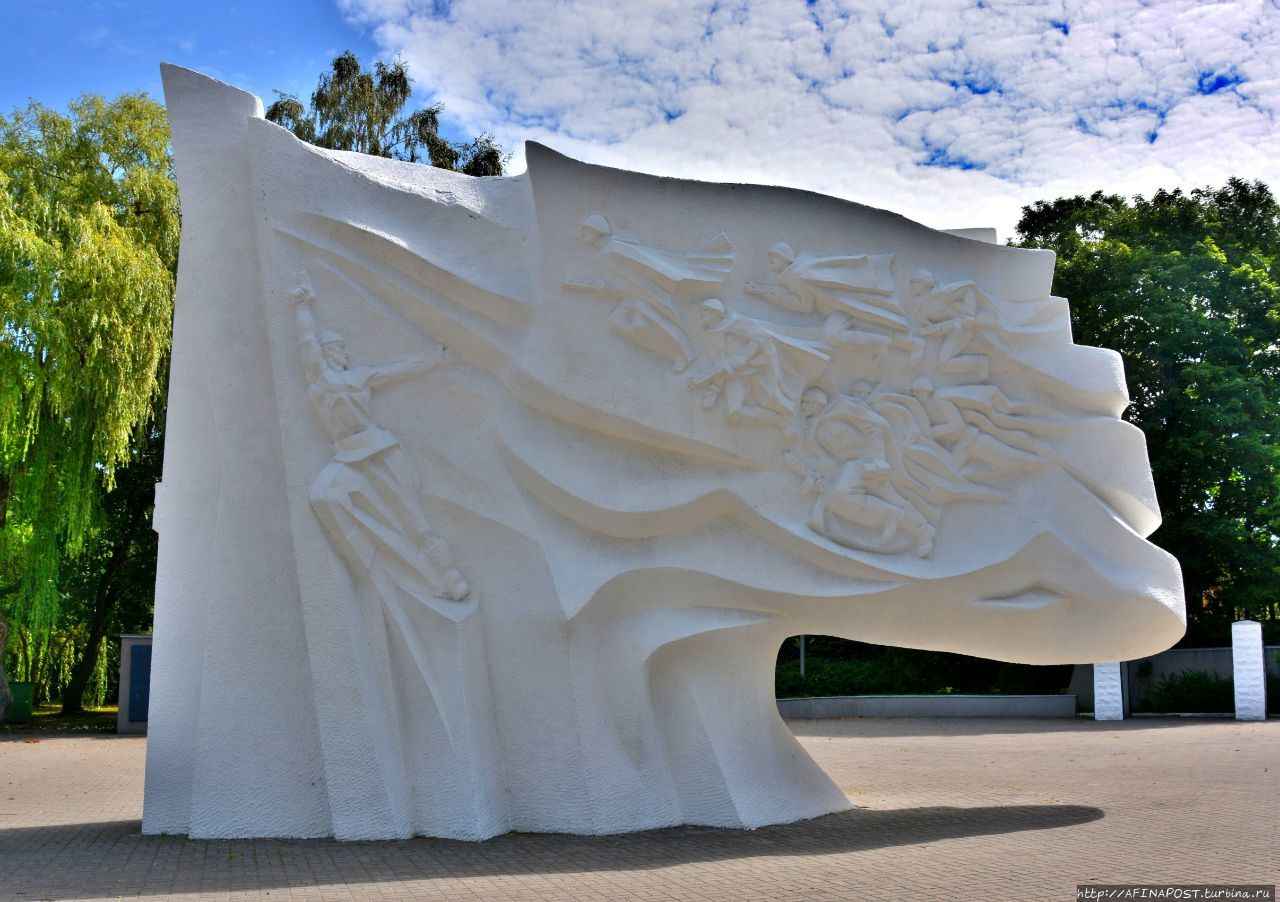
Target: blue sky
x=54 y=50
x=953 y=112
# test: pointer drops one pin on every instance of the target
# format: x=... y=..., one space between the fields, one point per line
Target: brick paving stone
x=945 y=809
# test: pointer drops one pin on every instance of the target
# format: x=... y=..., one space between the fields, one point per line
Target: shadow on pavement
x=875 y=727
x=111 y=857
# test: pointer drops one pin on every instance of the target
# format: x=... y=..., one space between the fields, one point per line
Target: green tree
x=110 y=588
x=1186 y=286
x=359 y=110
x=88 y=248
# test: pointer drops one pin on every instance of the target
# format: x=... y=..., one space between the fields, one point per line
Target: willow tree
x=363 y=110
x=88 y=247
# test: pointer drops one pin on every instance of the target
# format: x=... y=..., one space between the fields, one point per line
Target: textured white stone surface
x=1249 y=670
x=1108 y=691
x=488 y=502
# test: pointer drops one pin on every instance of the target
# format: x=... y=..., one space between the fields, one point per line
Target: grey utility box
x=135 y=683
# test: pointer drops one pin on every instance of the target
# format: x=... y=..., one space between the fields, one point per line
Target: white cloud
x=954 y=113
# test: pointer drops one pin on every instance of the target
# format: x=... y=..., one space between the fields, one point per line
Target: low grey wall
x=1167 y=663
x=1173 y=662
x=928 y=706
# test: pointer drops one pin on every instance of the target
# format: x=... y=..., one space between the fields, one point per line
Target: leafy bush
x=853 y=668
x=1193 y=692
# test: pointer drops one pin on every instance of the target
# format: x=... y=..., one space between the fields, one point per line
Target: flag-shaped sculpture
x=487 y=503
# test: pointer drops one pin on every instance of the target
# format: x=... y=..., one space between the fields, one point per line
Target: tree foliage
x=842 y=667
x=88 y=248
x=1186 y=286
x=359 y=110
x=110 y=587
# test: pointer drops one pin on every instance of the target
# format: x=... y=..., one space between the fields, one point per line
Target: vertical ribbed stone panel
x=1250 y=670
x=1108 y=692
x=233 y=745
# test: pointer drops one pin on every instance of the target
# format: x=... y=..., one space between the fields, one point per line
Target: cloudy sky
x=953 y=113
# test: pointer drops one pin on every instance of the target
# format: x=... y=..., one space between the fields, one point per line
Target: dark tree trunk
x=136 y=484
x=129 y=531
x=104 y=606
x=6 y=696
x=6 y=490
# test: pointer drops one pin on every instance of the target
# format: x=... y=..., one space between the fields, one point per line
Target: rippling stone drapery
x=487 y=502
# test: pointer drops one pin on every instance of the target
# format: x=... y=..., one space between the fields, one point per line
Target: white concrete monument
x=488 y=502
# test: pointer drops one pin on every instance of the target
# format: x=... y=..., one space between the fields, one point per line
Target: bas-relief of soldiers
x=367 y=502
x=853 y=293
x=756 y=365
x=955 y=313
x=848 y=455
x=882 y=458
x=366 y=498
x=645 y=280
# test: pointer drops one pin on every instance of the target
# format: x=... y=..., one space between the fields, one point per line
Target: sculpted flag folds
x=488 y=502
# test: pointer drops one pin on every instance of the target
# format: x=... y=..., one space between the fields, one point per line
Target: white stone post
x=1250 y=670
x=1108 y=691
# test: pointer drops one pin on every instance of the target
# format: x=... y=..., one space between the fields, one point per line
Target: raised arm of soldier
x=313 y=362
x=391 y=373
x=324 y=352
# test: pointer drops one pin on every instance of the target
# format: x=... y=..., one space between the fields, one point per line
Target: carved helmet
x=596 y=224
x=922 y=277
x=714 y=304
x=783 y=250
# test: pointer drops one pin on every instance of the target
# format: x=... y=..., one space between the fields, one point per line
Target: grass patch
x=50 y=719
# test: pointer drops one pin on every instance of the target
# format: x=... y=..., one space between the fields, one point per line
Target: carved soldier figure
x=951 y=312
x=753 y=372
x=854 y=293
x=366 y=498
x=915 y=434
x=964 y=439
x=988 y=408
x=645 y=280
x=859 y=504
x=933 y=472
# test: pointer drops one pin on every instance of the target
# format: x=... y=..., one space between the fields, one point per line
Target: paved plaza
x=945 y=809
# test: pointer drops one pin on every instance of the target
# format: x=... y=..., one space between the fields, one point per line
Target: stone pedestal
x=1249 y=670
x=1108 y=691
